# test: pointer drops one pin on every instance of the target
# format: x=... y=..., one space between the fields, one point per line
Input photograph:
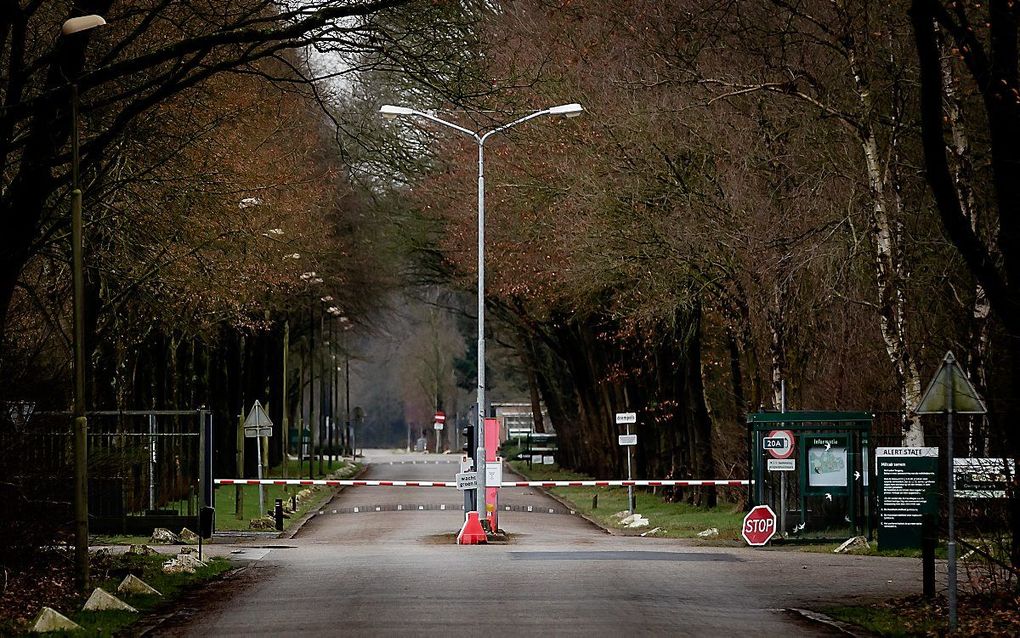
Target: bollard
x=278 y=514
x=595 y=502
x=929 y=539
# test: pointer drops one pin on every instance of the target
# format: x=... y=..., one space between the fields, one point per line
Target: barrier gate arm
x=612 y=483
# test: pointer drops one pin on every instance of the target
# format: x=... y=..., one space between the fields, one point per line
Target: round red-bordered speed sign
x=759 y=526
x=784 y=452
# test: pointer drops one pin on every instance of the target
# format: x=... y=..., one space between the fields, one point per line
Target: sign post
x=949 y=393
x=256 y=426
x=627 y=418
x=440 y=422
x=759 y=526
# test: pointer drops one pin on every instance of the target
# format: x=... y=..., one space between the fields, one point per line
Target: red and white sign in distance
x=759 y=526
x=779 y=443
x=440 y=420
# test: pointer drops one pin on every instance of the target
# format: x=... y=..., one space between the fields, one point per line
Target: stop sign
x=759 y=526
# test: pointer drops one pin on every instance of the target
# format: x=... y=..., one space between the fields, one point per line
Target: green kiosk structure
x=813 y=469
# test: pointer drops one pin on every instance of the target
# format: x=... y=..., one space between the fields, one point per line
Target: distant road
x=397 y=573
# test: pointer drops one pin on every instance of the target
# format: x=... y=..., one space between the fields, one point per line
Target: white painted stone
x=101 y=600
x=164 y=536
x=49 y=619
x=188 y=536
x=141 y=550
x=135 y=585
x=850 y=544
x=711 y=532
x=638 y=522
x=182 y=563
x=634 y=521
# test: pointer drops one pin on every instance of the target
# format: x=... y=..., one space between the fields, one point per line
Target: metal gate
x=144 y=466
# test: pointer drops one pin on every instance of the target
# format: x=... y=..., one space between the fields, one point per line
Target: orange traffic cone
x=472 y=532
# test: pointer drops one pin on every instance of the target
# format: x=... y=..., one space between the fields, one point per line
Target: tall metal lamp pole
x=390 y=112
x=80 y=445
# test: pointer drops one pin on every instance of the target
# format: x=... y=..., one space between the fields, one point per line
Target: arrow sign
x=951 y=390
x=258 y=422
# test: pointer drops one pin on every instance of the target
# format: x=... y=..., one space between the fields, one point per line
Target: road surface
x=398 y=572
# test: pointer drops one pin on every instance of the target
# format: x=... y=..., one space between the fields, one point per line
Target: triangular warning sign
x=258 y=418
x=951 y=391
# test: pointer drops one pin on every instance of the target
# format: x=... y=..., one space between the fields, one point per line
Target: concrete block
x=135 y=585
x=101 y=600
x=49 y=619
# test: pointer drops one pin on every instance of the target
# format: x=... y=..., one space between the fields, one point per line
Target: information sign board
x=626 y=418
x=628 y=439
x=982 y=477
x=826 y=463
x=907 y=492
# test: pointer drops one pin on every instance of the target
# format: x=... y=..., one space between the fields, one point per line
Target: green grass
x=109 y=571
x=117 y=539
x=674 y=520
x=884 y=621
x=225 y=498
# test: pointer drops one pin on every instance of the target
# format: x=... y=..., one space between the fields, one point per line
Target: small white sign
x=466 y=463
x=625 y=418
x=494 y=473
x=439 y=425
x=782 y=465
x=548 y=460
x=467 y=481
x=628 y=439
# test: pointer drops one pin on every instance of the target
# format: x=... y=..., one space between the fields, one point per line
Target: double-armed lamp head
x=390 y=111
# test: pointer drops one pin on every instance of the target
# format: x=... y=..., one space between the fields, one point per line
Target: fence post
x=239 y=455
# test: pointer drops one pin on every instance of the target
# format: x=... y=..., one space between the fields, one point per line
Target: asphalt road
x=398 y=572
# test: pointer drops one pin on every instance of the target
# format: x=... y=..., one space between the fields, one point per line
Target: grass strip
x=108 y=572
x=674 y=520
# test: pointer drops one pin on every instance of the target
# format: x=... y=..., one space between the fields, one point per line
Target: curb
x=146 y=625
x=832 y=623
x=565 y=503
x=314 y=511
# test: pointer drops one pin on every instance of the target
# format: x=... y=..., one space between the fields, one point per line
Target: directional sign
x=257 y=423
x=759 y=526
x=626 y=418
x=779 y=444
x=467 y=481
x=440 y=420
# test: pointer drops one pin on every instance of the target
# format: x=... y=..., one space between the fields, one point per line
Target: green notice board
x=907 y=492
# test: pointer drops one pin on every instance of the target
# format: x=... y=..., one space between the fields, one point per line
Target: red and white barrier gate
x=363 y=483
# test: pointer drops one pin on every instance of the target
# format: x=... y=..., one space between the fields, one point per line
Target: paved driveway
x=397 y=572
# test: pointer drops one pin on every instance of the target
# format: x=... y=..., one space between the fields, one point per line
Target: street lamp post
x=312 y=279
x=335 y=313
x=80 y=444
x=390 y=112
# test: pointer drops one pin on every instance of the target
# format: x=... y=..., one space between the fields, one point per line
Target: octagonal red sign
x=759 y=526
